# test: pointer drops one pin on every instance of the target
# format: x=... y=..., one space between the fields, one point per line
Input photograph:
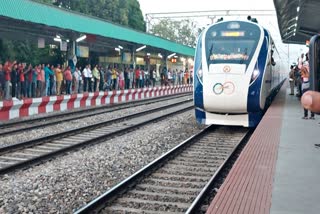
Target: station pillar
x=72 y=58
x=133 y=58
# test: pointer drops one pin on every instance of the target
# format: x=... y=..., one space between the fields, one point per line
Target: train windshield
x=231 y=42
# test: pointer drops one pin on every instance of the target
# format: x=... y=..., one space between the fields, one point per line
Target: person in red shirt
x=7 y=77
x=43 y=81
x=68 y=78
x=137 y=76
x=21 y=82
x=39 y=81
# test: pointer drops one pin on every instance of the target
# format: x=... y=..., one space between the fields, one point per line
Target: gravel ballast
x=64 y=126
x=68 y=182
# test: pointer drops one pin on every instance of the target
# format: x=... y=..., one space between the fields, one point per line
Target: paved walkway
x=296 y=187
x=279 y=169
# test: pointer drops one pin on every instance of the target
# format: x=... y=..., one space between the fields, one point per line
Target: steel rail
x=39 y=141
x=61 y=117
x=123 y=185
x=99 y=203
x=196 y=204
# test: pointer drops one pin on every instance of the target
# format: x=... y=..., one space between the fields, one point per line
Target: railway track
x=176 y=182
x=48 y=120
x=30 y=152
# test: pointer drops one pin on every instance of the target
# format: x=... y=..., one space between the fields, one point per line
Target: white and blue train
x=237 y=67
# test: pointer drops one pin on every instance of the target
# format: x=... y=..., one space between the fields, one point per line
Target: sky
x=269 y=22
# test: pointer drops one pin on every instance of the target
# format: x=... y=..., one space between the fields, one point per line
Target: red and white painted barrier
x=31 y=106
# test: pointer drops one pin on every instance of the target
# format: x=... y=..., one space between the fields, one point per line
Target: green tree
x=123 y=12
x=136 y=20
x=25 y=51
x=181 y=31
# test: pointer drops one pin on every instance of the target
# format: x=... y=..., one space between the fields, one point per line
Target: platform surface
x=296 y=187
x=278 y=170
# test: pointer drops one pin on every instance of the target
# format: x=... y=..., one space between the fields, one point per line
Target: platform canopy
x=298 y=20
x=20 y=19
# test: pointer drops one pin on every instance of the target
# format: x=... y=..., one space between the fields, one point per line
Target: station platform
x=278 y=170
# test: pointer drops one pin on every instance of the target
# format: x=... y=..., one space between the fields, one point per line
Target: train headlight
x=200 y=74
x=255 y=75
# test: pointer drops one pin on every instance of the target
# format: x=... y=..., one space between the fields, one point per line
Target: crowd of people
x=19 y=80
x=299 y=77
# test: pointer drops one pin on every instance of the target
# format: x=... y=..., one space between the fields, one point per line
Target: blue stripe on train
x=253 y=103
x=198 y=87
x=200 y=116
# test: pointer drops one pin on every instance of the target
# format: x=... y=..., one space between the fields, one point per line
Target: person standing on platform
x=43 y=81
x=174 y=77
x=114 y=79
x=298 y=81
x=90 y=79
x=18 y=89
x=78 y=70
x=86 y=79
x=186 y=77
x=39 y=81
x=121 y=79
x=14 y=77
x=141 y=78
x=305 y=87
x=75 y=80
x=28 y=78
x=53 y=81
x=34 y=82
x=68 y=78
x=131 y=78
x=48 y=73
x=59 y=77
x=126 y=78
x=22 y=83
x=96 y=76
x=153 y=76
x=291 y=80
x=179 y=82
x=137 y=77
x=108 y=79
x=102 y=72
x=7 y=76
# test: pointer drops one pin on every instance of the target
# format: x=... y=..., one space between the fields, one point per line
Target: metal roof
x=34 y=12
x=298 y=20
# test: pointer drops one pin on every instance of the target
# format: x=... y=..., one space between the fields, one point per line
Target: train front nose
x=226 y=88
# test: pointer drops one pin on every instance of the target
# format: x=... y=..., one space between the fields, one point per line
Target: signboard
x=41 y=43
x=126 y=57
x=63 y=46
x=75 y=60
x=83 y=51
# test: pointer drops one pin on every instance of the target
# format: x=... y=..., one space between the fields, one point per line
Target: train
x=237 y=70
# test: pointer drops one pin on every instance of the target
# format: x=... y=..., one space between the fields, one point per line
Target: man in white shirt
x=87 y=79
